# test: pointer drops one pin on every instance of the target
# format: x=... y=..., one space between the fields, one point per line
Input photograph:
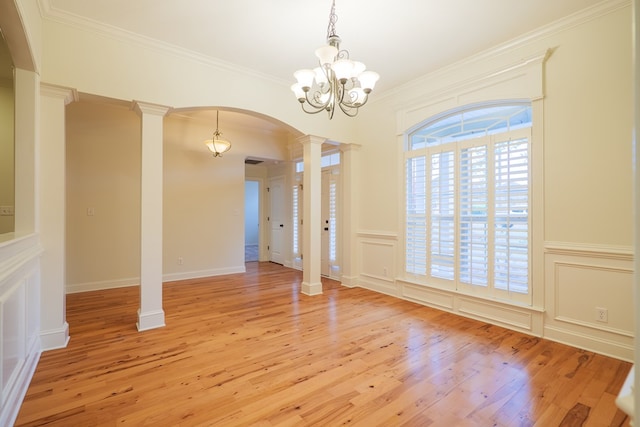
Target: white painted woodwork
x=325 y=264
x=277 y=219
x=52 y=214
x=151 y=314
x=311 y=244
x=349 y=213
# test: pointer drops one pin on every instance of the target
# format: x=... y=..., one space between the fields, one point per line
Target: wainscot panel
x=19 y=322
x=589 y=297
x=376 y=256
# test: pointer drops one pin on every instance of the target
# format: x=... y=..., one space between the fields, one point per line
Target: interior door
x=325 y=262
x=276 y=219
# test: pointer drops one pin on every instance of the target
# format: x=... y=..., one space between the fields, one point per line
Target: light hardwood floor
x=249 y=349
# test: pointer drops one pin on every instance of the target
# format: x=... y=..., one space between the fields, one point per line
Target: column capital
x=349 y=147
x=68 y=94
x=148 y=108
x=311 y=139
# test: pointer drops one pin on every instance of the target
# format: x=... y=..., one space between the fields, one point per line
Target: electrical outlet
x=180 y=260
x=6 y=210
x=602 y=314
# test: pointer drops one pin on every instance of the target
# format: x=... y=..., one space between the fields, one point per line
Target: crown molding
x=52 y=14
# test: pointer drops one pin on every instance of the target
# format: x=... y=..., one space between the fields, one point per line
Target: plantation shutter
x=442 y=221
x=416 y=220
x=474 y=215
x=511 y=246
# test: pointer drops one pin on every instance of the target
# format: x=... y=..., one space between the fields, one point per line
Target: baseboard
x=15 y=396
x=135 y=281
x=172 y=277
x=311 y=289
x=591 y=343
x=102 y=285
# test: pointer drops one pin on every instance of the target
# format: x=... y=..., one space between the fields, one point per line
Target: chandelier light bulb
x=326 y=54
x=305 y=78
x=368 y=80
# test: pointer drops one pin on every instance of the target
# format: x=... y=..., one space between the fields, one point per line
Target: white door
x=325 y=262
x=276 y=219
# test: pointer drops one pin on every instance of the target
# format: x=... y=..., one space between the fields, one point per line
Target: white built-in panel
x=19 y=322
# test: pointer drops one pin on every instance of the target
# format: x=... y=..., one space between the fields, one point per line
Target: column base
x=52 y=339
x=150 y=320
x=349 y=281
x=311 y=289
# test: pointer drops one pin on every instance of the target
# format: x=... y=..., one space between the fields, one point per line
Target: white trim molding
x=20 y=338
x=602 y=277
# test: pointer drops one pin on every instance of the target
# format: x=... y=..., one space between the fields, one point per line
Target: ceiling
x=401 y=40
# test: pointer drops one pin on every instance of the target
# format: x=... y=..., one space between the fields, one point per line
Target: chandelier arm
x=314 y=101
x=316 y=110
x=348 y=110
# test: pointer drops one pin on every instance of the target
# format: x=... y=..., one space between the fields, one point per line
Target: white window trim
x=522 y=80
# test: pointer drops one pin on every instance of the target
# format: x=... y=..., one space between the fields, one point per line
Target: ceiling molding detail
x=52 y=14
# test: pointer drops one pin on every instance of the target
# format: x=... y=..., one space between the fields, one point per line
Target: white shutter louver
x=474 y=214
x=511 y=264
x=442 y=226
x=416 y=220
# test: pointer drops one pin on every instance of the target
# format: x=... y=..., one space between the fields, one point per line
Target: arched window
x=467 y=197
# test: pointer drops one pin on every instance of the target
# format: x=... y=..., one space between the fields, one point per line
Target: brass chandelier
x=337 y=82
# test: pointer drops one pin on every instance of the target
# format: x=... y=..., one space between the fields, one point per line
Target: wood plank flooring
x=249 y=349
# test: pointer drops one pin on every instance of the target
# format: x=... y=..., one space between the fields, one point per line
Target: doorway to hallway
x=251 y=221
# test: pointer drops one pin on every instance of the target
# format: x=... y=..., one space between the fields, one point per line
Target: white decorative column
x=54 y=329
x=311 y=221
x=628 y=399
x=150 y=313
x=349 y=203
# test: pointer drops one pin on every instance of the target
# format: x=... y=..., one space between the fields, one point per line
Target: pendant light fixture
x=216 y=145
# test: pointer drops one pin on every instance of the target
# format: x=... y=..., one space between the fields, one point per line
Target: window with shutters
x=467 y=197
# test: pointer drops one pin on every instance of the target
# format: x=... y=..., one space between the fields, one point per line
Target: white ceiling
x=401 y=40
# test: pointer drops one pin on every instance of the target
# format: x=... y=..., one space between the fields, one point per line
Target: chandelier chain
x=333 y=18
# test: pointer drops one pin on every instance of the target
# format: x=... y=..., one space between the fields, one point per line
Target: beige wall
x=588 y=125
x=7 y=182
x=203 y=196
x=103 y=174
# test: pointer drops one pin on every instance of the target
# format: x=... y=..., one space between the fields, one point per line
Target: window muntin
x=471 y=123
x=467 y=198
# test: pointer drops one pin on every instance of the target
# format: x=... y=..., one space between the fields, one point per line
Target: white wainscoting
x=19 y=322
x=577 y=280
x=581 y=278
x=520 y=318
x=376 y=262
